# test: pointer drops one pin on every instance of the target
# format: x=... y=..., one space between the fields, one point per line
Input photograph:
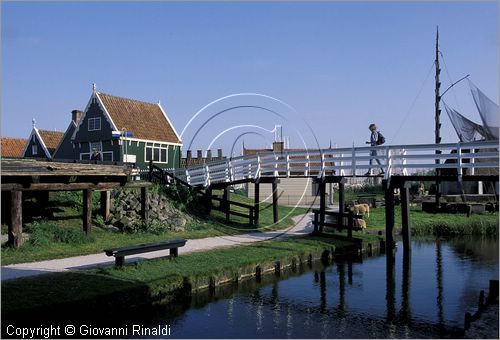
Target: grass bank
x=56 y=230
x=146 y=281
x=441 y=224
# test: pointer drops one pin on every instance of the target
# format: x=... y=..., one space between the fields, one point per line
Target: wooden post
x=87 y=211
x=350 y=225
x=275 y=201
x=144 y=203
x=389 y=215
x=341 y=201
x=105 y=204
x=390 y=284
x=225 y=201
x=16 y=219
x=405 y=216
x=322 y=204
x=256 y=202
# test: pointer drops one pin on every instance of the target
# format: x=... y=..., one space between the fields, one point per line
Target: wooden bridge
x=455 y=162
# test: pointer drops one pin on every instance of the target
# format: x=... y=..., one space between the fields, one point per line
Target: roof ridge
x=133 y=100
x=43 y=130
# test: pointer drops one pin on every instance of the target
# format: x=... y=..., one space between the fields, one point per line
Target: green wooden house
x=126 y=130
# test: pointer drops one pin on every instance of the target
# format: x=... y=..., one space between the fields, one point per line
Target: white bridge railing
x=463 y=158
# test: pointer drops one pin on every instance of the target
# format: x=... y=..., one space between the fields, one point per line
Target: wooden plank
x=389 y=215
x=72 y=186
x=275 y=201
x=322 y=204
x=144 y=204
x=256 y=201
x=225 y=203
x=87 y=211
x=105 y=204
x=16 y=219
x=405 y=217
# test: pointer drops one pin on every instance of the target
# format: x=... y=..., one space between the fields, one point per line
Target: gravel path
x=302 y=226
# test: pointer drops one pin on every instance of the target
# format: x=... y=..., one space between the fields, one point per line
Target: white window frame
x=97 y=145
x=107 y=152
x=158 y=147
x=94 y=120
x=84 y=153
x=34 y=149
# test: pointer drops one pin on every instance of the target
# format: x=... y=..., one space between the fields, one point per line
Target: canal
x=424 y=295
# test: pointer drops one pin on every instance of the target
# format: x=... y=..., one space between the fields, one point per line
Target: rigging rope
x=451 y=82
x=412 y=104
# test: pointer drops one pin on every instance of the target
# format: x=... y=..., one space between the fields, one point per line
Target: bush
x=44 y=233
x=151 y=227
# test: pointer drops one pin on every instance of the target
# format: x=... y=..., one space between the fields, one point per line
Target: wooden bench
x=120 y=253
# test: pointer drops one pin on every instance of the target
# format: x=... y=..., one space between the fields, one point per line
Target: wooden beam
x=275 y=201
x=341 y=202
x=144 y=203
x=225 y=203
x=105 y=204
x=16 y=219
x=256 y=201
x=322 y=205
x=405 y=217
x=87 y=211
x=73 y=186
x=389 y=215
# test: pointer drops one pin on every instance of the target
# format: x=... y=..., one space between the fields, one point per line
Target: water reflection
x=397 y=296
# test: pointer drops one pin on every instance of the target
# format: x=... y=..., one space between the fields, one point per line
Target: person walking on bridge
x=376 y=138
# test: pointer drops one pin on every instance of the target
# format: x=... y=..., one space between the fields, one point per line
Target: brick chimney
x=198 y=154
x=219 y=153
x=188 y=155
x=76 y=115
x=209 y=155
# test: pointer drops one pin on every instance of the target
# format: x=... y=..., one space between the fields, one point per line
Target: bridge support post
x=105 y=204
x=16 y=219
x=341 y=201
x=389 y=215
x=405 y=216
x=256 y=201
x=87 y=211
x=144 y=204
x=322 y=204
x=225 y=201
x=275 y=201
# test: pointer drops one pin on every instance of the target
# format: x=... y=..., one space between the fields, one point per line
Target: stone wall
x=126 y=211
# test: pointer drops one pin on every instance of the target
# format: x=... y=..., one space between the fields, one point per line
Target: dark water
x=424 y=295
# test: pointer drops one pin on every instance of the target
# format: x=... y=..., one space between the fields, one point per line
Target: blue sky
x=340 y=65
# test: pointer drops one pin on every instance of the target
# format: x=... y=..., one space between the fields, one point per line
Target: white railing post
x=473 y=162
x=341 y=163
x=276 y=172
x=257 y=171
x=388 y=162
x=306 y=171
x=188 y=178
x=207 y=176
x=353 y=161
x=230 y=171
x=403 y=163
x=322 y=174
x=287 y=165
x=459 y=162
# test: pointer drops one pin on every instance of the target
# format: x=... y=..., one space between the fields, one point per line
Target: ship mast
x=437 y=114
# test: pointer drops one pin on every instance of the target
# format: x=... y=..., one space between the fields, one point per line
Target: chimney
x=76 y=115
x=188 y=155
x=209 y=155
x=198 y=154
x=219 y=153
x=278 y=146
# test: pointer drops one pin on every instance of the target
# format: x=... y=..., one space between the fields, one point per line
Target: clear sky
x=340 y=65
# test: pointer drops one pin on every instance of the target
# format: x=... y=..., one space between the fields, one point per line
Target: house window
x=34 y=149
x=94 y=124
x=107 y=156
x=84 y=156
x=96 y=145
x=157 y=153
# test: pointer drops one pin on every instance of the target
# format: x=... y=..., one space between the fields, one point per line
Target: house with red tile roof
x=12 y=147
x=129 y=130
x=42 y=143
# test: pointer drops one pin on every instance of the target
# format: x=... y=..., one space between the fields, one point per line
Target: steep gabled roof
x=146 y=120
x=12 y=147
x=51 y=139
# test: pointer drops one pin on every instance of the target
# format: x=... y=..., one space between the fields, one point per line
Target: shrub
x=44 y=233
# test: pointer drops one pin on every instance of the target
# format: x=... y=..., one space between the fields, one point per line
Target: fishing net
x=488 y=111
x=466 y=129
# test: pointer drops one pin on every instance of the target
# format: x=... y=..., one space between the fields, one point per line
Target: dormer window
x=34 y=150
x=94 y=124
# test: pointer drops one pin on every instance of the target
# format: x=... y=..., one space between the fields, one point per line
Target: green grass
x=66 y=215
x=150 y=277
x=423 y=223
